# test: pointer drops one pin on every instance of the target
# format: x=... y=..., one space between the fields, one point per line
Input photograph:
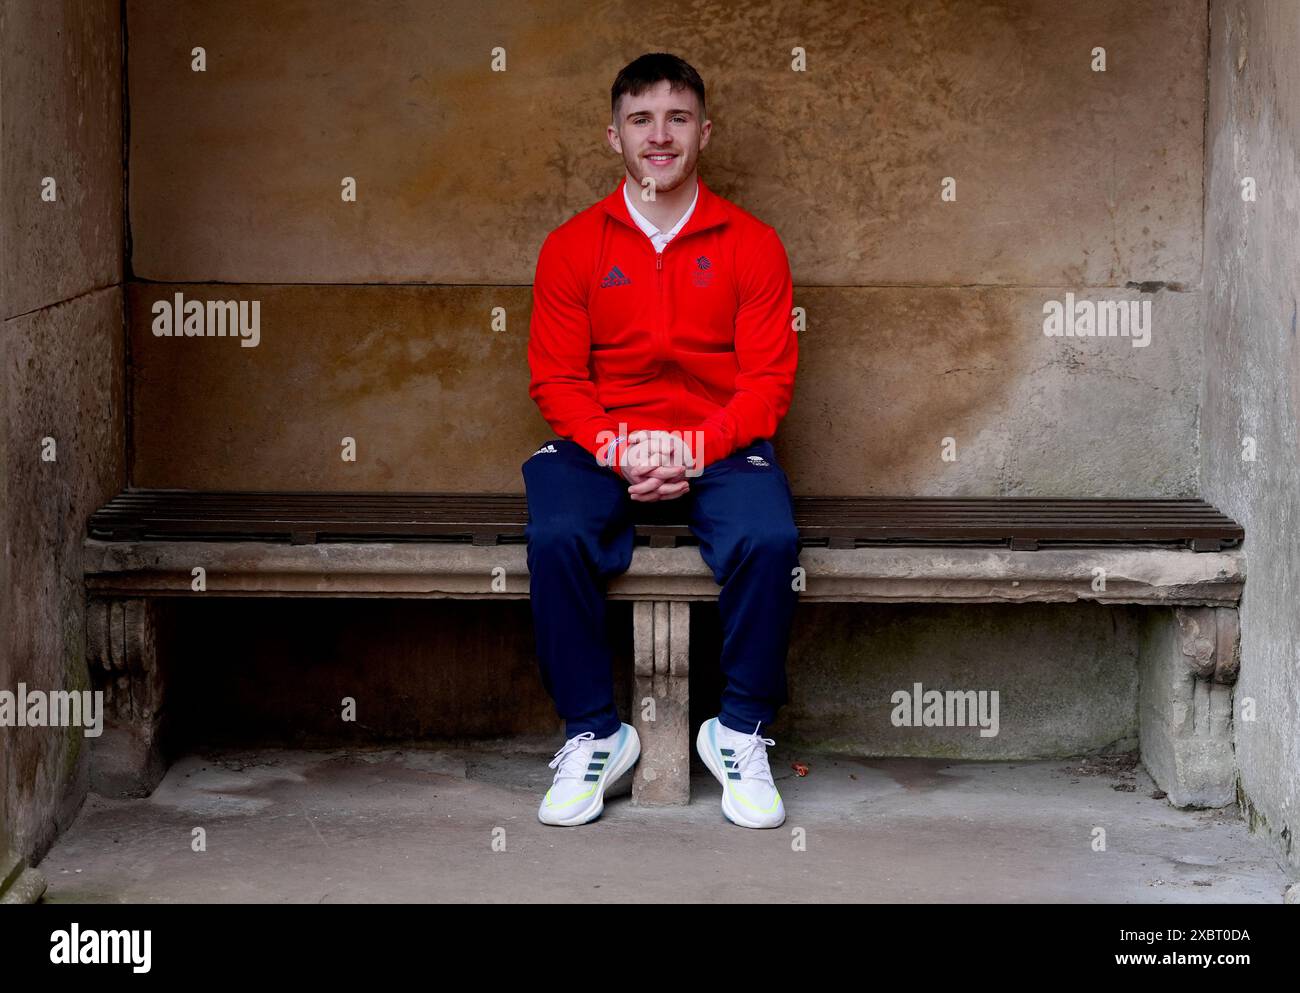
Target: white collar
x=649 y=228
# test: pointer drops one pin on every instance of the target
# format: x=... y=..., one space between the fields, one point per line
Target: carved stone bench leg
x=121 y=640
x=661 y=702
x=1189 y=664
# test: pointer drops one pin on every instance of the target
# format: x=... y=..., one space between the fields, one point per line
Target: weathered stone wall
x=1250 y=407
x=1065 y=675
x=63 y=375
x=925 y=317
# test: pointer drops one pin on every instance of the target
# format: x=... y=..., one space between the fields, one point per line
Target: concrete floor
x=418 y=825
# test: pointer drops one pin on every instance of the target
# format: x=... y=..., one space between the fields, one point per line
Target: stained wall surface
x=924 y=316
x=1058 y=679
x=62 y=381
x=1250 y=419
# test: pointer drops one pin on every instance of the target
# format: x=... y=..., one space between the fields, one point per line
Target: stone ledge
x=885 y=574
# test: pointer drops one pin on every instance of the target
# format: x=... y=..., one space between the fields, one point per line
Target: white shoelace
x=751 y=758
x=570 y=761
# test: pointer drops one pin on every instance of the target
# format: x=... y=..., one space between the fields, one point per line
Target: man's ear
x=611 y=133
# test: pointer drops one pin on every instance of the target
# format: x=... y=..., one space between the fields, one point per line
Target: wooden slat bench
x=489 y=519
x=1178 y=554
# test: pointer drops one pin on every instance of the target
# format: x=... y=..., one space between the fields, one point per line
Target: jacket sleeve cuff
x=596 y=438
x=710 y=444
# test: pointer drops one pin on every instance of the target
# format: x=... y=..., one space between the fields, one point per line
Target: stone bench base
x=1188 y=667
x=1188 y=662
x=661 y=702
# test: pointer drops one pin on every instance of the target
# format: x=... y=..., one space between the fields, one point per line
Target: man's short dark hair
x=654 y=67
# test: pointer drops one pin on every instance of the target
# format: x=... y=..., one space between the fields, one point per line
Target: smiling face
x=660 y=134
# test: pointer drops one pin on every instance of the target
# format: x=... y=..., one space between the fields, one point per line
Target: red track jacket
x=695 y=338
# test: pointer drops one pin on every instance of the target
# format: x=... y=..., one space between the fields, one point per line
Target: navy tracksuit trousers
x=580 y=534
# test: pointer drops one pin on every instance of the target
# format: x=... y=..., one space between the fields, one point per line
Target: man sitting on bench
x=662 y=354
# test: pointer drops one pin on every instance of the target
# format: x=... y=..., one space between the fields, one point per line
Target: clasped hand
x=655 y=463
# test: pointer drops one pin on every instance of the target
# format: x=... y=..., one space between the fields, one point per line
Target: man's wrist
x=611 y=456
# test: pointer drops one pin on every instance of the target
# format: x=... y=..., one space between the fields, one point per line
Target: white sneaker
x=584 y=768
x=739 y=763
